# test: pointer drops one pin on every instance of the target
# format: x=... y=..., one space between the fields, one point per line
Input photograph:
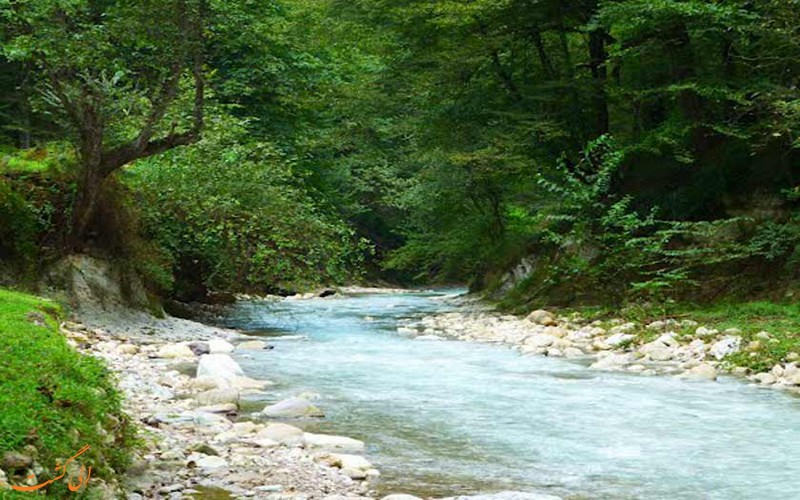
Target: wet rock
x=572 y=352
x=612 y=362
x=252 y=345
x=703 y=371
x=763 y=378
x=540 y=340
x=354 y=466
x=292 y=408
x=173 y=351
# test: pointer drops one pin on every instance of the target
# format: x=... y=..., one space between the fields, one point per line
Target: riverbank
x=184 y=388
x=682 y=348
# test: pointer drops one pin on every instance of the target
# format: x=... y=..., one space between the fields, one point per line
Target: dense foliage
x=630 y=148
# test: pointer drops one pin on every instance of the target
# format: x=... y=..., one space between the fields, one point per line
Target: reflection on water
x=448 y=417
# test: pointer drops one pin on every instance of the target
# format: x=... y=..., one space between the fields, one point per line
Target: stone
x=739 y=371
x=332 y=443
x=660 y=353
x=764 y=378
x=554 y=352
x=219 y=346
x=225 y=408
x=173 y=351
x=210 y=463
x=777 y=371
x=507 y=495
x=292 y=408
x=199 y=348
x=612 y=362
x=284 y=434
x=217 y=396
x=345 y=461
x=794 y=378
x=703 y=371
x=540 y=340
x=762 y=335
x=704 y=332
x=400 y=496
x=619 y=338
x=129 y=349
x=754 y=345
x=220 y=367
x=572 y=352
x=542 y=317
x=725 y=347
x=242 y=428
x=14 y=461
x=792 y=356
x=252 y=345
x=204 y=383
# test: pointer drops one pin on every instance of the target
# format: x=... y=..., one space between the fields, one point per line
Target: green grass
x=38 y=160
x=54 y=399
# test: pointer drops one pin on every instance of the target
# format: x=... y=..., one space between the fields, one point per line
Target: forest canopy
x=620 y=149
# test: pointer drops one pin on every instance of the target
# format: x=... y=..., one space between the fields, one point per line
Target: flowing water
x=449 y=417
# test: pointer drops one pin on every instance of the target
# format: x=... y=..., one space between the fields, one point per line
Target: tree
x=125 y=78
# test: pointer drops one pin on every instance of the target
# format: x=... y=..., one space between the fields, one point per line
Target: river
x=448 y=417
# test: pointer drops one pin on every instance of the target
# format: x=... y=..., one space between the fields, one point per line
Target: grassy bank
x=770 y=331
x=54 y=400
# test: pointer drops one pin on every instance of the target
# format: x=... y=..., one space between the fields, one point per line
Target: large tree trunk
x=597 y=62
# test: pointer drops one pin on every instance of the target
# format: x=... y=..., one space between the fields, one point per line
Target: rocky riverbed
x=683 y=349
x=183 y=388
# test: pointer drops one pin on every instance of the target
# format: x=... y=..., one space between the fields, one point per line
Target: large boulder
x=292 y=408
x=703 y=371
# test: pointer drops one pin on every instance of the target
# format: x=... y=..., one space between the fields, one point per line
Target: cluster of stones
x=614 y=345
x=195 y=444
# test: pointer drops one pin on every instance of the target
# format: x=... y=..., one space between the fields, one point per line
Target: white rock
x=332 y=443
x=172 y=351
x=220 y=367
x=612 y=362
x=128 y=349
x=253 y=345
x=764 y=378
x=219 y=346
x=542 y=317
x=400 y=496
x=217 y=396
x=572 y=352
x=292 y=408
x=704 y=332
x=777 y=371
x=618 y=338
x=726 y=346
x=284 y=434
x=540 y=340
x=702 y=371
x=211 y=463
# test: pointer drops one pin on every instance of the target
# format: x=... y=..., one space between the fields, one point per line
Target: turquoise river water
x=448 y=417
